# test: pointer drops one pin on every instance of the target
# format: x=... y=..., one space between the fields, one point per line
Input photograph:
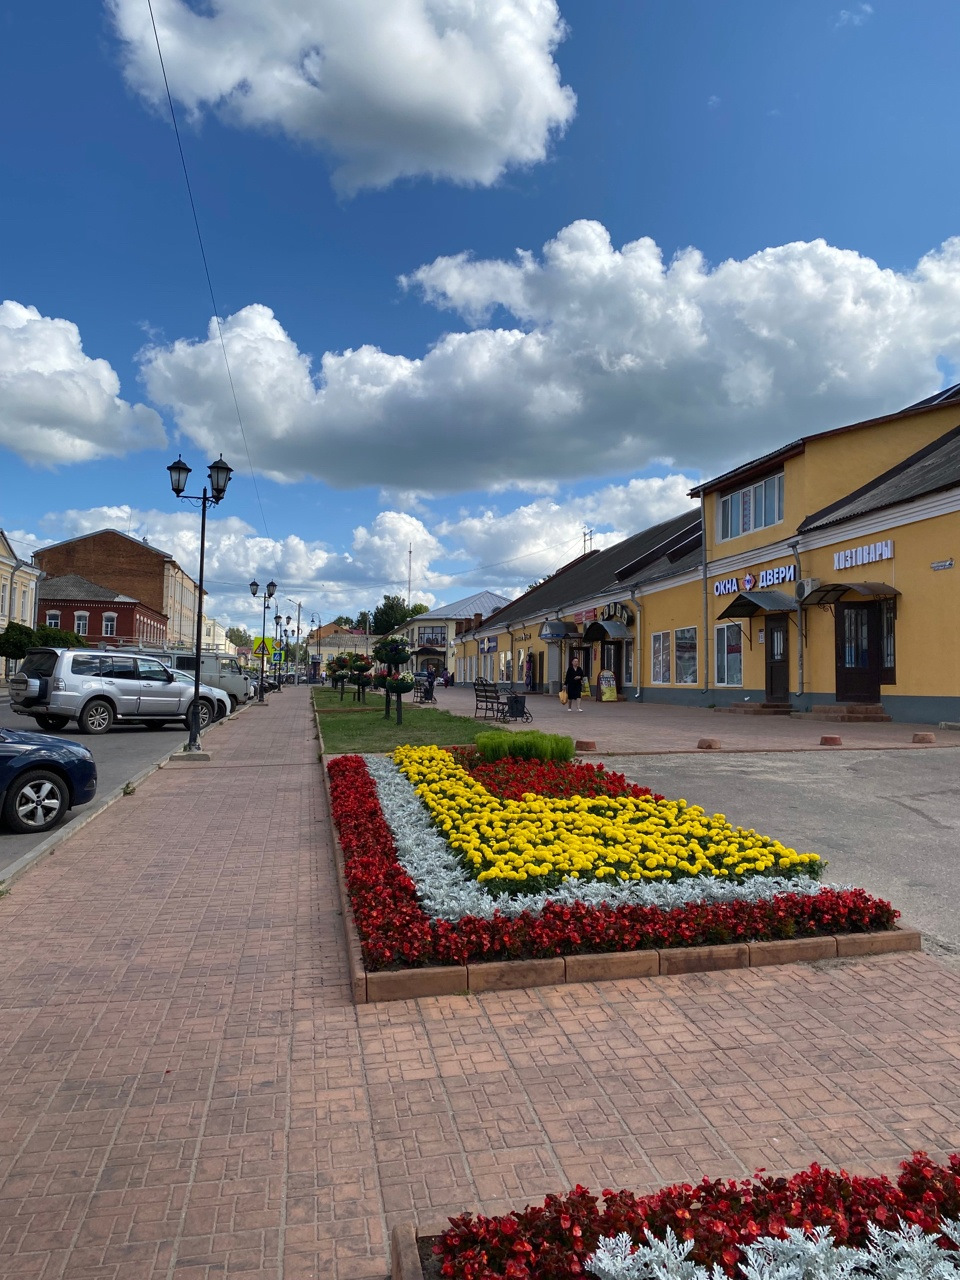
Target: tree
x=389 y=614
x=364 y=621
x=60 y=639
x=240 y=637
x=16 y=640
x=342 y=620
x=418 y=609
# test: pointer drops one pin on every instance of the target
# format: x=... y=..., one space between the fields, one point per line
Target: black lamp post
x=218 y=477
x=268 y=592
x=278 y=651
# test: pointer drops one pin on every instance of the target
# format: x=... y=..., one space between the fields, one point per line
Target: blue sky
x=488 y=274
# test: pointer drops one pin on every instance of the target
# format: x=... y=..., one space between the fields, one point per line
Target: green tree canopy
x=364 y=621
x=389 y=614
x=240 y=637
x=61 y=639
x=16 y=640
x=343 y=620
x=418 y=609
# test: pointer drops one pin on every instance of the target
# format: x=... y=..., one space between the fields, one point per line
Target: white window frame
x=3 y=599
x=691 y=677
x=81 y=623
x=53 y=619
x=109 y=624
x=660 y=657
x=722 y=649
x=737 y=510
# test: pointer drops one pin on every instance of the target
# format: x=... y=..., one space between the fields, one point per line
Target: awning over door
x=609 y=629
x=831 y=592
x=748 y=603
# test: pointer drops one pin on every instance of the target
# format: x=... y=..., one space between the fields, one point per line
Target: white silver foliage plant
x=906 y=1254
x=447 y=892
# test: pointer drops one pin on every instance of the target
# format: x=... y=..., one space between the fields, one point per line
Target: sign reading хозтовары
x=868 y=553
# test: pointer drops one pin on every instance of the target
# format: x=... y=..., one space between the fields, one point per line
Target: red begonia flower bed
x=557 y=779
x=552 y=1241
x=395 y=932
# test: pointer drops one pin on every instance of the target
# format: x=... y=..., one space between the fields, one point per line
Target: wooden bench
x=489 y=703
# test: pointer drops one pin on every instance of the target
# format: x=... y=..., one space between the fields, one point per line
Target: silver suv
x=98 y=688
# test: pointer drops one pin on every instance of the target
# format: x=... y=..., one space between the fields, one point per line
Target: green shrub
x=529 y=744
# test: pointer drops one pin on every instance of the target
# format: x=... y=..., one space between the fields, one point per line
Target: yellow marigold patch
x=535 y=843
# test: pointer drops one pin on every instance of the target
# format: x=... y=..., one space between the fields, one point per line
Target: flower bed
x=396 y=931
x=536 y=842
x=510 y=779
x=556 y=1241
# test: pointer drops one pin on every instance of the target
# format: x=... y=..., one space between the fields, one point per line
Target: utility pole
x=409 y=573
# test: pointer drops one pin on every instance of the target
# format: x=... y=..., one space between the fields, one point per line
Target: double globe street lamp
x=268 y=594
x=218 y=478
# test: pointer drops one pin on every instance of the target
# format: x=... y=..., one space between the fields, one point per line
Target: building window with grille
x=53 y=618
x=729 y=655
x=660 y=658
x=109 y=624
x=81 y=623
x=685 y=650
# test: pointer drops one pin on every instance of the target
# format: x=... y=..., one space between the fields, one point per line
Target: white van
x=222 y=670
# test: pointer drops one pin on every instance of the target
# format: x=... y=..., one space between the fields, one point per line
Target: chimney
x=477 y=620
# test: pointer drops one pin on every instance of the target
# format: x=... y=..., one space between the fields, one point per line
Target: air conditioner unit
x=805 y=586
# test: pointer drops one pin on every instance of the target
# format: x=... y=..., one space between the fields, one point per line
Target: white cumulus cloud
x=446 y=88
x=58 y=405
x=614 y=359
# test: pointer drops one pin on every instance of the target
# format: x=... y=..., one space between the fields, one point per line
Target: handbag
x=563 y=697
x=585 y=688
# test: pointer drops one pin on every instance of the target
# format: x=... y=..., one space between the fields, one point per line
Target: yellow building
x=824 y=574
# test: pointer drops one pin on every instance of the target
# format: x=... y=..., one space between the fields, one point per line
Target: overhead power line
x=206 y=268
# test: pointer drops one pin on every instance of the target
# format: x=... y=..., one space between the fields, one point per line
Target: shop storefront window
x=685 y=648
x=729 y=655
x=660 y=658
x=628 y=662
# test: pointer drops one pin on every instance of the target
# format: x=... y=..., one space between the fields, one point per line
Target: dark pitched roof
x=70 y=586
x=613 y=569
x=931 y=469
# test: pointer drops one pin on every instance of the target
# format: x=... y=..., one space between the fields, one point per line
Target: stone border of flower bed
x=509 y=975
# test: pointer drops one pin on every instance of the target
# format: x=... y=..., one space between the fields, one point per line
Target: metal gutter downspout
x=706 y=614
x=637 y=664
x=795 y=548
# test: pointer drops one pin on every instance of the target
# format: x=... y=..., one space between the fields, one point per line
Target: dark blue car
x=41 y=778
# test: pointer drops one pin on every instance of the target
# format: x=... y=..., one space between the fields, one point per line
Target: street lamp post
x=268 y=593
x=218 y=477
x=278 y=660
x=296 y=667
x=315 y=619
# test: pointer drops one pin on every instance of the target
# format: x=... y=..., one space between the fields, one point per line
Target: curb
x=510 y=975
x=62 y=833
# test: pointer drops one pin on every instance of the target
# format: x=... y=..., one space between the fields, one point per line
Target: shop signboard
x=768 y=578
x=608 y=686
x=617 y=611
x=585 y=615
x=868 y=553
x=489 y=644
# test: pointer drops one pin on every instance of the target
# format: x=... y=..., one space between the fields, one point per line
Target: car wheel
x=36 y=801
x=96 y=717
x=52 y=722
x=234 y=703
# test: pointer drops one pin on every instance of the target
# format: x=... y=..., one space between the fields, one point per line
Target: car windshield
x=42 y=662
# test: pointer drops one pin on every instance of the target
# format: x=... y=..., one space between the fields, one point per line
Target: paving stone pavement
x=186 y=1091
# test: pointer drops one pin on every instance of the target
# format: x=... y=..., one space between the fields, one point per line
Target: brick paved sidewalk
x=656 y=728
x=185 y=1090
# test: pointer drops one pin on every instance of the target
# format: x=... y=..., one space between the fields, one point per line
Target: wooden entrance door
x=858 y=652
x=777 y=658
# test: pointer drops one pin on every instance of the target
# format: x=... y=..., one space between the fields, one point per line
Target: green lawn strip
x=422 y=726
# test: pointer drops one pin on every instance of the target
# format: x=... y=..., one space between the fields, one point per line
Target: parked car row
x=97 y=688
x=41 y=778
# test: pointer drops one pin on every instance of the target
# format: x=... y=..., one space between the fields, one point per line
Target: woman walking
x=573 y=683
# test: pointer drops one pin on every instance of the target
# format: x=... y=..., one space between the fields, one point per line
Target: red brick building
x=131 y=568
x=71 y=603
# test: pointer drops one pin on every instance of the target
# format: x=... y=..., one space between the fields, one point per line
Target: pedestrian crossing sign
x=264 y=646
